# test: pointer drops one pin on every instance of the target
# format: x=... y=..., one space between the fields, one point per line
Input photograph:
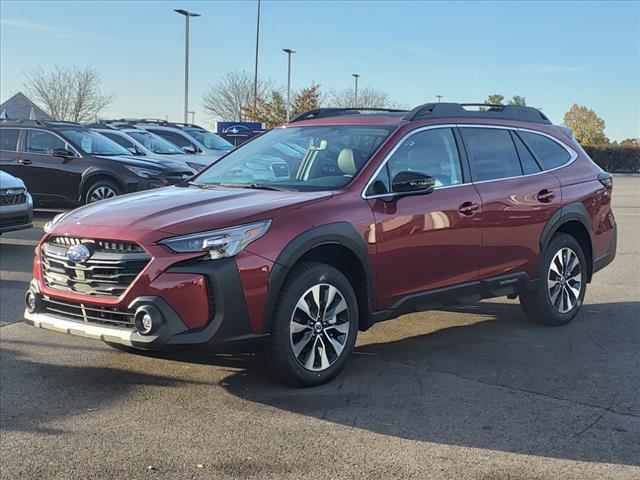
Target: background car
x=65 y=163
x=16 y=205
x=147 y=144
x=192 y=139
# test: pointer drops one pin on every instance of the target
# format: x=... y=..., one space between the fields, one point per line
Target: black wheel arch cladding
x=342 y=234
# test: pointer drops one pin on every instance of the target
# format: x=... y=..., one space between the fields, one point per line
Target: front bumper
x=228 y=328
x=16 y=217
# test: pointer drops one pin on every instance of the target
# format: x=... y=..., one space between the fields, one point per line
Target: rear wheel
x=101 y=190
x=561 y=286
x=314 y=327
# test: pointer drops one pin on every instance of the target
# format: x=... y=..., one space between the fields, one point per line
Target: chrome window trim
x=572 y=153
x=66 y=142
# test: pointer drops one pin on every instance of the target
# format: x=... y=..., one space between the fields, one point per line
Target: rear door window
x=549 y=153
x=491 y=152
x=9 y=139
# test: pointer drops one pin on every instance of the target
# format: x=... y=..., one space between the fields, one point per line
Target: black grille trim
x=103 y=245
x=92 y=314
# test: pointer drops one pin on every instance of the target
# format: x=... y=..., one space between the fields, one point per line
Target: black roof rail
x=492 y=111
x=104 y=126
x=154 y=121
x=334 y=112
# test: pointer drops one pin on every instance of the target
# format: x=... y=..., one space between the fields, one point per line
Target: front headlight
x=143 y=172
x=51 y=223
x=196 y=166
x=223 y=243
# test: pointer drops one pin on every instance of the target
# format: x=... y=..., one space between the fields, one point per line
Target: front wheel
x=561 y=286
x=101 y=190
x=315 y=325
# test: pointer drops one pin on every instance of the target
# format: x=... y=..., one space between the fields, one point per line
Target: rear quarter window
x=550 y=154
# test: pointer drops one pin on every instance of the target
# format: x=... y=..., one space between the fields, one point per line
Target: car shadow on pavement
x=502 y=384
x=44 y=393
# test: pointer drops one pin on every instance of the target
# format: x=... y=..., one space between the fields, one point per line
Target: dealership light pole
x=255 y=72
x=355 y=96
x=187 y=15
x=439 y=97
x=289 y=52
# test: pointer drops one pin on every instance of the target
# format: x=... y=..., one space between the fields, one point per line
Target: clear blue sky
x=553 y=53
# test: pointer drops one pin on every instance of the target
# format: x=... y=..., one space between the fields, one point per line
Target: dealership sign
x=237 y=128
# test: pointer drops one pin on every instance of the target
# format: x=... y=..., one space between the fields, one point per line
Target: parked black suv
x=65 y=163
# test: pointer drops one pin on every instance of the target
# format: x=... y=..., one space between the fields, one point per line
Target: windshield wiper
x=258 y=186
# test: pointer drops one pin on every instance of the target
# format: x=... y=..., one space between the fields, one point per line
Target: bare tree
x=368 y=97
x=68 y=93
x=232 y=95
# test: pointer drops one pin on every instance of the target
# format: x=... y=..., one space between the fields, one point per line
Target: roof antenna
x=3 y=115
x=32 y=114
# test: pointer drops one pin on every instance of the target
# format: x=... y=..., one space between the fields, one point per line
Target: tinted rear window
x=529 y=164
x=491 y=152
x=549 y=153
x=9 y=139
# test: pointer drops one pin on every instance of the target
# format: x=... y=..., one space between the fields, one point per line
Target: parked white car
x=16 y=205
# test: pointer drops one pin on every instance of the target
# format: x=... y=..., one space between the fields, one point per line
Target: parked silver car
x=16 y=205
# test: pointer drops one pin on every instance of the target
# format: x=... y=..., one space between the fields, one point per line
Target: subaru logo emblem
x=10 y=192
x=78 y=253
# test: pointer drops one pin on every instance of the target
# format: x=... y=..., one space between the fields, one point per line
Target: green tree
x=495 y=99
x=587 y=127
x=517 y=100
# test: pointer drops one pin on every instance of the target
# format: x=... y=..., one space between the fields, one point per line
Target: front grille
x=13 y=221
x=108 y=272
x=174 y=178
x=12 y=196
x=94 y=314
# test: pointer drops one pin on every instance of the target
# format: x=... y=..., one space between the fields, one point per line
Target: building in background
x=19 y=107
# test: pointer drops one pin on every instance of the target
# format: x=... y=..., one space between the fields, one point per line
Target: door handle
x=25 y=161
x=468 y=208
x=546 y=195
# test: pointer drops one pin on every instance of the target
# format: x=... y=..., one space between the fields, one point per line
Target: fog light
x=31 y=301
x=147 y=320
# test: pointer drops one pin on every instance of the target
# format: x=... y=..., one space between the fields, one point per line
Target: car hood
x=183 y=210
x=9 y=181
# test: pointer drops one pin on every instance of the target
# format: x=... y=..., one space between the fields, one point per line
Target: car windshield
x=298 y=158
x=155 y=143
x=209 y=140
x=93 y=143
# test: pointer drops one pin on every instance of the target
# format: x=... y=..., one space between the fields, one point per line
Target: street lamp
x=187 y=15
x=355 y=96
x=255 y=73
x=439 y=97
x=289 y=52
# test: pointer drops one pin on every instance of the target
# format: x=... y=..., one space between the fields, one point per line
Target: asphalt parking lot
x=474 y=392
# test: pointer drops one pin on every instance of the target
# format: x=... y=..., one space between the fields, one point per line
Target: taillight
x=606 y=179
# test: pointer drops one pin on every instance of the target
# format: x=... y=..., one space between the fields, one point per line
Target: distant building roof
x=19 y=107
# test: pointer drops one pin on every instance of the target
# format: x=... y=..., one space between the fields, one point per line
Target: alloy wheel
x=564 y=280
x=102 y=193
x=319 y=327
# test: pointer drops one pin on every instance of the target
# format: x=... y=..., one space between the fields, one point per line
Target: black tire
x=285 y=365
x=101 y=185
x=539 y=305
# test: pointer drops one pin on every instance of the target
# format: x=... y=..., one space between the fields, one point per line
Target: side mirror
x=62 y=152
x=412 y=183
x=189 y=149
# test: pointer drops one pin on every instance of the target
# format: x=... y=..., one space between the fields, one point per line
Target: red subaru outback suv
x=377 y=214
